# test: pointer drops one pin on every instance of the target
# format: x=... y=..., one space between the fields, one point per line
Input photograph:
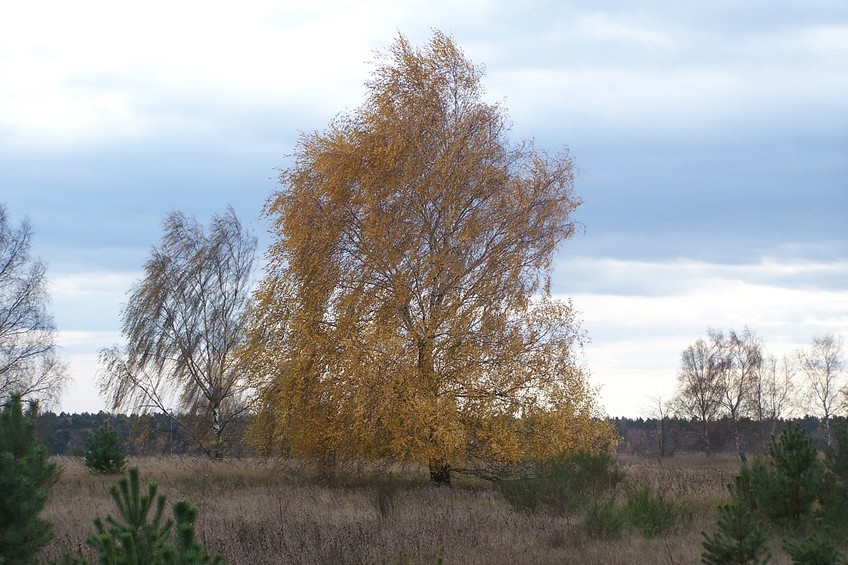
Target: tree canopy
x=406 y=309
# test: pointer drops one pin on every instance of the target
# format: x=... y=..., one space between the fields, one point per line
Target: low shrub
x=653 y=514
x=565 y=485
x=385 y=498
x=588 y=486
x=604 y=520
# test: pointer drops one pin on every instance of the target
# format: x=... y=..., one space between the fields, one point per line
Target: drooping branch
x=183 y=322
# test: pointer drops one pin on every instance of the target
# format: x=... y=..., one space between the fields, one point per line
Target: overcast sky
x=711 y=140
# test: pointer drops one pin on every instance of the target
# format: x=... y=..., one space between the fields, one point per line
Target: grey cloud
x=105 y=206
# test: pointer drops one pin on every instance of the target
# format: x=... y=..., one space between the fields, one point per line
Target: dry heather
x=260 y=512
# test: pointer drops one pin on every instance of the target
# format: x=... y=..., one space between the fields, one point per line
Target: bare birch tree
x=660 y=415
x=699 y=389
x=716 y=377
x=29 y=363
x=773 y=394
x=183 y=323
x=738 y=359
x=823 y=367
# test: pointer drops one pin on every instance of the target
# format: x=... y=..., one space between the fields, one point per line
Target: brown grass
x=258 y=512
x=692 y=476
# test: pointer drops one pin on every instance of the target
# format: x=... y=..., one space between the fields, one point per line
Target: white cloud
x=82 y=394
x=822 y=45
x=600 y=26
x=97 y=285
x=622 y=97
x=637 y=338
x=103 y=70
x=81 y=351
x=643 y=73
x=87 y=311
x=673 y=278
x=78 y=340
x=94 y=71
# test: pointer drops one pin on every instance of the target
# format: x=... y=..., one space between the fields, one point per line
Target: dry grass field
x=264 y=512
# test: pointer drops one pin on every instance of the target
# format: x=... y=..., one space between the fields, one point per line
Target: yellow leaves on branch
x=405 y=312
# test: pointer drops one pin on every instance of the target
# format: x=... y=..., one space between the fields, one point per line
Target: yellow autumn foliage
x=406 y=311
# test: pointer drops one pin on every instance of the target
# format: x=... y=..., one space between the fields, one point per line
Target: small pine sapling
x=26 y=474
x=834 y=495
x=741 y=538
x=137 y=538
x=797 y=475
x=103 y=453
x=134 y=537
x=836 y=455
x=754 y=486
x=816 y=549
x=187 y=550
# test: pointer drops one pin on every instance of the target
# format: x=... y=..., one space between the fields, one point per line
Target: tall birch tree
x=406 y=310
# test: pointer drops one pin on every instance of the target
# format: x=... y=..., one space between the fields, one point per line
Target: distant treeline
x=676 y=435
x=155 y=434
x=67 y=434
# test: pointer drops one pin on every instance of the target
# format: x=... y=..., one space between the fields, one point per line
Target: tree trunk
x=440 y=473
x=439 y=469
x=705 y=436
x=827 y=435
x=738 y=441
x=218 y=431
